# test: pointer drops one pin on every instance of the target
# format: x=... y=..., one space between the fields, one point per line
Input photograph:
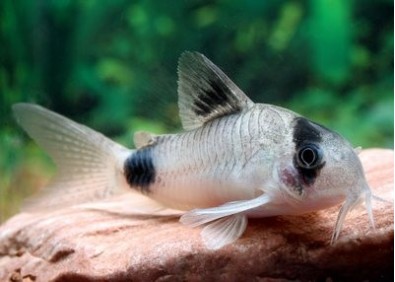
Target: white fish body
x=237 y=159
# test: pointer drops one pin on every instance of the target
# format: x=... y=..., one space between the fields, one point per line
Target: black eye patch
x=308 y=157
x=305 y=132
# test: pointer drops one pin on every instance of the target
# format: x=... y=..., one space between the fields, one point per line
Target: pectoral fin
x=225 y=223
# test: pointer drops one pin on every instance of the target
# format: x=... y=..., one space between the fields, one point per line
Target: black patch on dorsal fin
x=205 y=92
x=139 y=169
x=213 y=97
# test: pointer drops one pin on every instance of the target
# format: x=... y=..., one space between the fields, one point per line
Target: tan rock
x=94 y=245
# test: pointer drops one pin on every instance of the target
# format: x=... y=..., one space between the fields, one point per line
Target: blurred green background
x=112 y=66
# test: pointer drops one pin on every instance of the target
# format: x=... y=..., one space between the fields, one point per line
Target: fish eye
x=309 y=156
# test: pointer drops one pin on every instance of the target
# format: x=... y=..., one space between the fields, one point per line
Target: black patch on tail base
x=139 y=169
x=217 y=95
x=305 y=132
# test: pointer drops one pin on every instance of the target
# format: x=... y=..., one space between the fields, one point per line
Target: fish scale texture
x=92 y=245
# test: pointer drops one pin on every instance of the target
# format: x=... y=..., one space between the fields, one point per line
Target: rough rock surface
x=92 y=245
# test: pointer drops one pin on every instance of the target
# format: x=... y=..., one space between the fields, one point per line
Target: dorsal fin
x=143 y=139
x=205 y=92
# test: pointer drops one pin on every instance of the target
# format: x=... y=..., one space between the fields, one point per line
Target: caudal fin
x=89 y=164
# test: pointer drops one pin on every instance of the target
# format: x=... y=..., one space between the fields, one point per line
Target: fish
x=234 y=160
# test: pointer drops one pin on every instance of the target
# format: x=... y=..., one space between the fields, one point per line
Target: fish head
x=324 y=171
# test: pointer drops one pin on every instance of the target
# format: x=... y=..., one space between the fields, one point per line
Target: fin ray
x=205 y=92
x=86 y=160
x=198 y=217
x=224 y=231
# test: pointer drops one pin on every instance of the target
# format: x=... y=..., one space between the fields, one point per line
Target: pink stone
x=92 y=245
